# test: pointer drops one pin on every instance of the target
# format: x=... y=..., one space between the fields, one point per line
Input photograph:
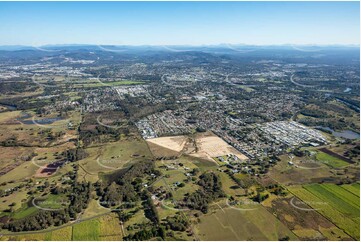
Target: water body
x=347 y=89
x=24 y=116
x=40 y=121
x=346 y=134
x=10 y=107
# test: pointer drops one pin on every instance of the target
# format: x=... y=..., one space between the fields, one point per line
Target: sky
x=179 y=23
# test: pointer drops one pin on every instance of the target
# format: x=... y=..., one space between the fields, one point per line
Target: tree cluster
x=127 y=185
x=150 y=211
x=75 y=154
x=43 y=219
x=210 y=191
x=176 y=223
x=146 y=234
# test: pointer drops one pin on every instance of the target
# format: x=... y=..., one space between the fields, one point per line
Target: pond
x=346 y=134
x=347 y=89
x=10 y=107
x=39 y=121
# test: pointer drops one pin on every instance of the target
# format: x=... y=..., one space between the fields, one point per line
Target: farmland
x=354 y=188
x=88 y=230
x=226 y=224
x=333 y=202
x=330 y=160
x=302 y=220
x=105 y=227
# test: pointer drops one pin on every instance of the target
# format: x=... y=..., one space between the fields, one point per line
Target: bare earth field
x=167 y=146
x=205 y=146
x=210 y=145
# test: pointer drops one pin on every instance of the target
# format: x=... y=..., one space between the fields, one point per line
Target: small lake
x=40 y=121
x=346 y=134
x=347 y=89
x=10 y=107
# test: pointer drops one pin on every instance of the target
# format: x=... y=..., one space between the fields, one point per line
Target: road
x=298 y=84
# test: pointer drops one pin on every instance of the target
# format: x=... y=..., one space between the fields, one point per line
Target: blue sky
x=172 y=23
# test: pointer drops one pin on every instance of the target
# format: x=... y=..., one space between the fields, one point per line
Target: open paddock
x=227 y=223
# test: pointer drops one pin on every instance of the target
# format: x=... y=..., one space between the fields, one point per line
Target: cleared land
x=173 y=144
x=286 y=174
x=209 y=145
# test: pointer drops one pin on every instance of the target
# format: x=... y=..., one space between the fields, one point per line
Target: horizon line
x=188 y=45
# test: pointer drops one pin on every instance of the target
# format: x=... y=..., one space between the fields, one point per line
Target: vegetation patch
x=338 y=210
x=330 y=160
x=88 y=230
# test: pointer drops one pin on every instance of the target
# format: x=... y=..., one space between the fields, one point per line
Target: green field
x=354 y=188
x=329 y=194
x=88 y=230
x=335 y=203
x=344 y=194
x=52 y=201
x=24 y=212
x=330 y=160
x=16 y=197
x=25 y=170
x=229 y=186
x=94 y=208
x=111 y=157
x=106 y=227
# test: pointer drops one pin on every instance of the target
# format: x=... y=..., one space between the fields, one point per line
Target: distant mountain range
x=239 y=47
